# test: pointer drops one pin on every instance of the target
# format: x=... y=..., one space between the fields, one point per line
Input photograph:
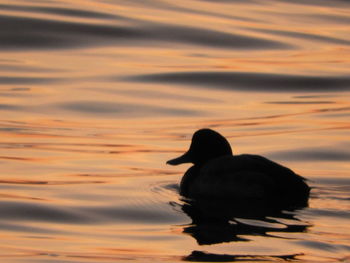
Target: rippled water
x=96 y=95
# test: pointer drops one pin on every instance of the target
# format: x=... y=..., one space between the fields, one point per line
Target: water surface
x=97 y=95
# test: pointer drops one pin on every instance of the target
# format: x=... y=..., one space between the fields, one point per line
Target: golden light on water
x=97 y=95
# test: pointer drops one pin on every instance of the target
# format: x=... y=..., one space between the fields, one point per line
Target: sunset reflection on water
x=97 y=95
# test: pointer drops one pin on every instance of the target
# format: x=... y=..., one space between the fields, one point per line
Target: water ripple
x=33 y=211
x=120 y=109
x=24 y=33
x=305 y=36
x=5 y=80
x=316 y=154
x=59 y=11
x=249 y=81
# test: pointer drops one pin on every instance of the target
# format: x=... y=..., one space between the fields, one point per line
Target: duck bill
x=185 y=158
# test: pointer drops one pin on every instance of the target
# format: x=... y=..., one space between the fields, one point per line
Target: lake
x=97 y=95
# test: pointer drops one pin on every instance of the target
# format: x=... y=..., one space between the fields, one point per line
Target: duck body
x=218 y=174
x=244 y=177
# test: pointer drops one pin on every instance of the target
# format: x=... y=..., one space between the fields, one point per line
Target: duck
x=217 y=174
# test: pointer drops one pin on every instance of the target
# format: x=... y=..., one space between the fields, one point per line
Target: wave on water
x=249 y=81
x=35 y=33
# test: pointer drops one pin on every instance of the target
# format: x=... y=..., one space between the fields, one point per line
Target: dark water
x=97 y=95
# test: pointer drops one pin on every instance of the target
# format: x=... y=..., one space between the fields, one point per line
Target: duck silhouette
x=217 y=174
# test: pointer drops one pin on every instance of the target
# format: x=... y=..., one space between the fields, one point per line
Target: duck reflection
x=199 y=256
x=218 y=221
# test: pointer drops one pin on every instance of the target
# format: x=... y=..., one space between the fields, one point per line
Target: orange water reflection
x=96 y=95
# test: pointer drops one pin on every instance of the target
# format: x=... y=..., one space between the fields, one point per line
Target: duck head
x=206 y=145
